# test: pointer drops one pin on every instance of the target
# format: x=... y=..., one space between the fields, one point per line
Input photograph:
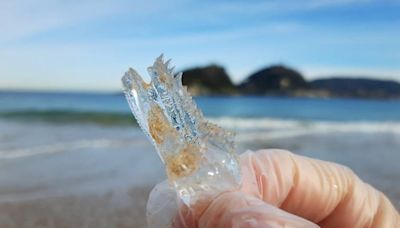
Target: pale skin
x=281 y=189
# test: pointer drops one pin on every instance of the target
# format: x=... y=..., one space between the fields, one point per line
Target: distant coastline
x=280 y=80
x=273 y=81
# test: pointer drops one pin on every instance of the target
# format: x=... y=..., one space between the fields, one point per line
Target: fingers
x=230 y=209
x=237 y=209
x=322 y=192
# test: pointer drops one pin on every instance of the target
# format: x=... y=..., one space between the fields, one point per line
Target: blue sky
x=89 y=44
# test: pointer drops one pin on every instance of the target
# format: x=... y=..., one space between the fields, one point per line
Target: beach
x=98 y=172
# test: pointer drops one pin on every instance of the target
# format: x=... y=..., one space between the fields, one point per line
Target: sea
x=82 y=155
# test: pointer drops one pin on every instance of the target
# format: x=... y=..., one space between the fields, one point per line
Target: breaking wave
x=70 y=116
x=254 y=128
x=236 y=123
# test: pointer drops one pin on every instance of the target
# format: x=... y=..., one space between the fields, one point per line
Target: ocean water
x=83 y=147
x=305 y=109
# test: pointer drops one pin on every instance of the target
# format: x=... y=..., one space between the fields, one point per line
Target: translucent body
x=199 y=156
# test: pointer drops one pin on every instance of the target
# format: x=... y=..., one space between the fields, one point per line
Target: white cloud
x=21 y=18
x=279 y=6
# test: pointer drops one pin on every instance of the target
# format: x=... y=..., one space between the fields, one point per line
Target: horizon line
x=120 y=91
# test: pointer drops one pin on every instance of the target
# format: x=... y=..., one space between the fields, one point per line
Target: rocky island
x=208 y=80
x=279 y=80
x=358 y=87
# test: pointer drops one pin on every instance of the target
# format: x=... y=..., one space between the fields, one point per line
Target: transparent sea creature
x=199 y=156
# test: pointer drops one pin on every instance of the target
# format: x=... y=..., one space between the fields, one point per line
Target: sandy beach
x=57 y=175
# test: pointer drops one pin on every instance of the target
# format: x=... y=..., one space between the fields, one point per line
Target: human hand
x=281 y=189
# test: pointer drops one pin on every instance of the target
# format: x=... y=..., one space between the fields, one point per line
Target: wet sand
x=81 y=210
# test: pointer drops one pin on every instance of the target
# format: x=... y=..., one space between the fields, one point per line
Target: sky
x=89 y=44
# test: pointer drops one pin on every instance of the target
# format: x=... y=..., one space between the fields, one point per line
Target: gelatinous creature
x=199 y=156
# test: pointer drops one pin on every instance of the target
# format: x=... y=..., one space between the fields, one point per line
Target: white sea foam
x=62 y=147
x=262 y=128
x=248 y=129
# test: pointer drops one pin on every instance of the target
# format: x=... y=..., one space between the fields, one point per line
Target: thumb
x=238 y=209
